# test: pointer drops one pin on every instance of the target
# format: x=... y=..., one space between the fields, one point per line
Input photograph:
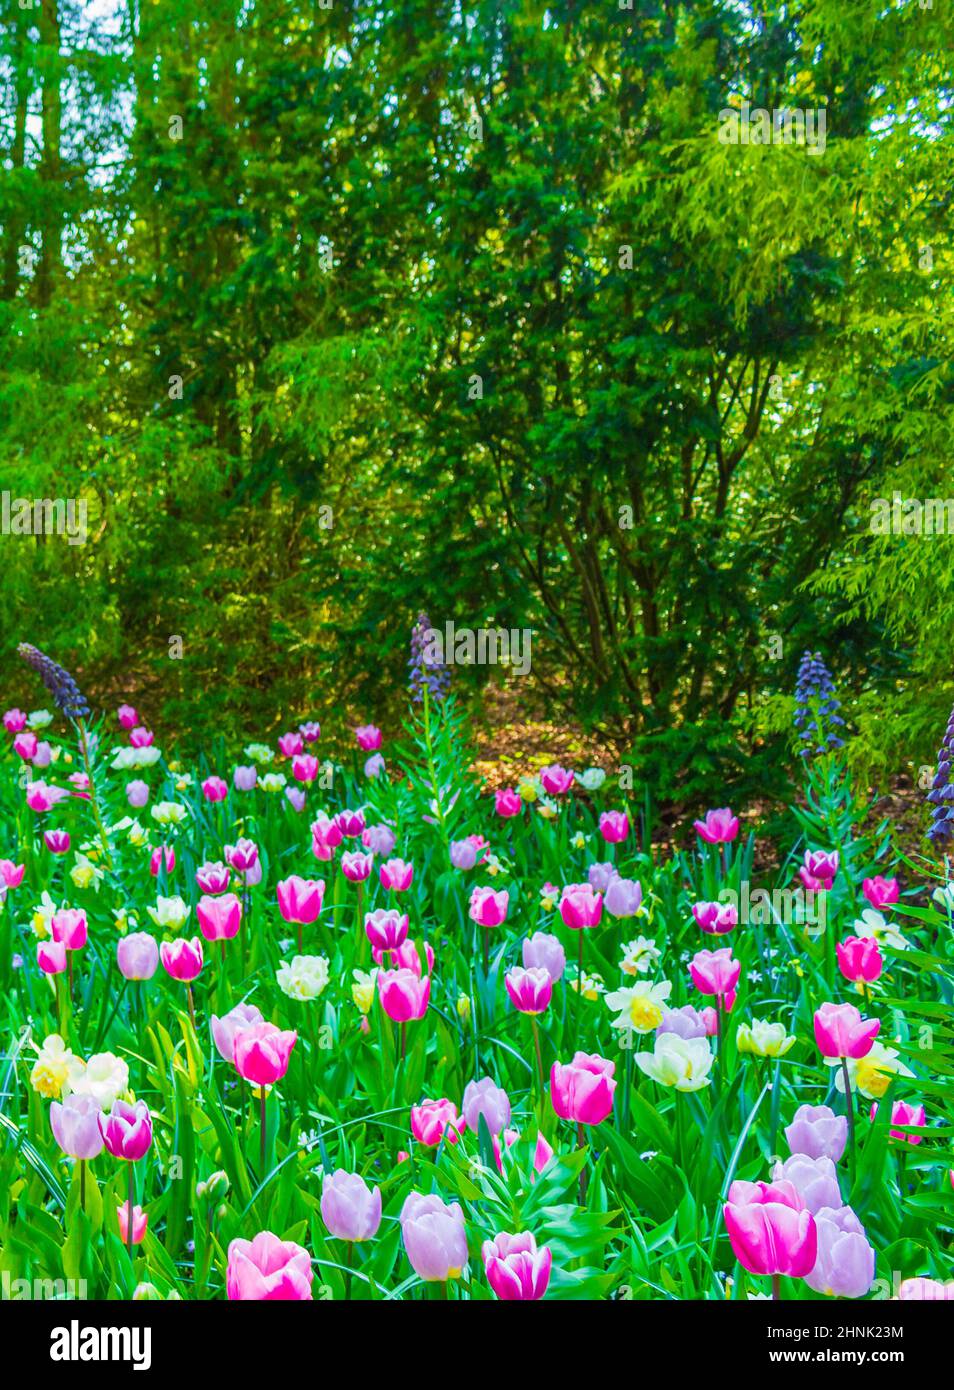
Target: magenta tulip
x=840 y=1031
x=183 y=960
x=582 y=1090
x=515 y=1268
x=219 y=918
x=529 y=990
x=127 y=1129
x=267 y=1269
x=771 y=1230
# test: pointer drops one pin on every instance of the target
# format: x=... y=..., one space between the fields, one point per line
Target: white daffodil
x=872 y=924
x=871 y=1075
x=42 y=919
x=640 y=1006
x=640 y=956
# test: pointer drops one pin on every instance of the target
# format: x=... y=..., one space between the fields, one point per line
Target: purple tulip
x=845 y=1267
x=818 y=1132
x=434 y=1237
x=543 y=952
x=75 y=1126
x=687 y=1022
x=349 y=1208
x=463 y=854
x=137 y=956
x=814 y=1179
x=623 y=897
x=486 y=1098
x=600 y=876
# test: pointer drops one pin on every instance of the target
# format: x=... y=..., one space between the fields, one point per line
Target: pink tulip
x=556 y=780
x=215 y=789
x=580 y=906
x=140 y=1224
x=396 y=874
x=305 y=767
x=881 y=892
x=507 y=803
x=183 y=960
x=840 y=1031
x=300 y=899
x=819 y=869
x=137 y=956
x=164 y=855
x=582 y=1090
x=515 y=1268
x=407 y=956
x=51 y=957
x=487 y=907
x=350 y=823
x=859 y=959
x=24 y=745
x=404 y=995
x=434 y=1120
x=127 y=716
x=715 y=972
x=212 y=878
x=542 y=1151
x=290 y=745
x=719 y=827
x=69 y=926
x=56 y=841
x=368 y=737
x=40 y=797
x=267 y=1269
x=904 y=1114
x=529 y=990
x=242 y=856
x=614 y=826
x=127 y=1129
x=75 y=1125
x=770 y=1229
x=11 y=875
x=14 y=720
x=356 y=866
x=325 y=838
x=261 y=1053
x=225 y=1029
x=219 y=918
x=141 y=738
x=386 y=929
x=310 y=731
x=715 y=918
